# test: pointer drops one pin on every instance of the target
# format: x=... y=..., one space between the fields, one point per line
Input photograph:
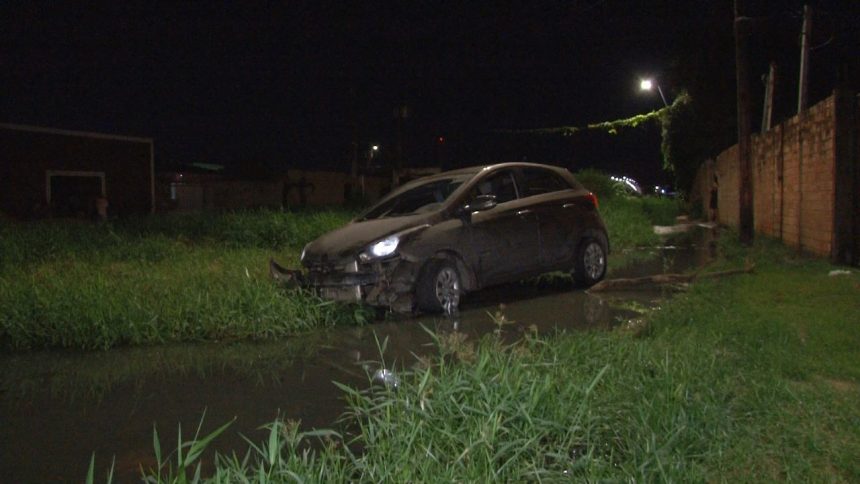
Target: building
x=47 y=172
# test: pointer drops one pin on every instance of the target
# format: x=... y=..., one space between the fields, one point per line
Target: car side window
x=538 y=181
x=500 y=184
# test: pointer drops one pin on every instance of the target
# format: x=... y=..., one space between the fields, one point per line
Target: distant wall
x=315 y=188
x=298 y=188
x=240 y=194
x=805 y=180
x=33 y=160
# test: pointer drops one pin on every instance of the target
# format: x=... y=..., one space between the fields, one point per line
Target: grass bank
x=195 y=277
x=748 y=378
x=629 y=219
x=156 y=279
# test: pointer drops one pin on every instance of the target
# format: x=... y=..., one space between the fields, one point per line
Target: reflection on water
x=59 y=407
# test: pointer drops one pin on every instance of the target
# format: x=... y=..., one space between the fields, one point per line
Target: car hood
x=349 y=240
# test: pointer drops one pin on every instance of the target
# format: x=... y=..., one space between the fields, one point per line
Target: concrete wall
x=794 y=181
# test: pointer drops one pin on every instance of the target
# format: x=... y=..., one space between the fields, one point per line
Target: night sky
x=294 y=85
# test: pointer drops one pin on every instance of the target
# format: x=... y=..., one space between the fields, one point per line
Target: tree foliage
x=611 y=127
x=685 y=144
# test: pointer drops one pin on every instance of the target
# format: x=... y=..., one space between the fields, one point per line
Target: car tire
x=439 y=287
x=590 y=264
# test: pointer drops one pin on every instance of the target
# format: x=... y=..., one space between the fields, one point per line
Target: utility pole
x=745 y=222
x=767 y=112
x=400 y=114
x=353 y=169
x=804 y=58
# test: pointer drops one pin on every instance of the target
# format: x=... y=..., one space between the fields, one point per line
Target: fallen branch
x=660 y=279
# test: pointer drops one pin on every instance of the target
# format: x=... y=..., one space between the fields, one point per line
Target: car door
x=557 y=207
x=504 y=239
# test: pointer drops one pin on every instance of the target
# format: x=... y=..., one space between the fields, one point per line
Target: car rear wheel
x=439 y=287
x=590 y=266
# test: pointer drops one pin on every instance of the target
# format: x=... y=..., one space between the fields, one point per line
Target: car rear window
x=539 y=181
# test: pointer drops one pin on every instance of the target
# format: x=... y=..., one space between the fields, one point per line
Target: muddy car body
x=440 y=236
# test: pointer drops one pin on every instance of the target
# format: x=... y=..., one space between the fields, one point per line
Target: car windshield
x=425 y=197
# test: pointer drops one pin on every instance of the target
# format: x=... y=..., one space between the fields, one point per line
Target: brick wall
x=794 y=183
x=728 y=181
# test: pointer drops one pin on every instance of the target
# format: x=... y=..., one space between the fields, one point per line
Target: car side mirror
x=480 y=204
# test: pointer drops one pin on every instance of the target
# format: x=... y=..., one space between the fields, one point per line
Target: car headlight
x=382 y=248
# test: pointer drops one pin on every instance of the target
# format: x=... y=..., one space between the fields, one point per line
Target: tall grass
x=200 y=277
x=153 y=238
x=629 y=219
x=187 y=277
x=762 y=389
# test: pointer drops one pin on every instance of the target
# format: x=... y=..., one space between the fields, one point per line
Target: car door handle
x=524 y=212
x=568 y=205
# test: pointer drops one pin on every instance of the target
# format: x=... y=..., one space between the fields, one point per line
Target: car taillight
x=593 y=198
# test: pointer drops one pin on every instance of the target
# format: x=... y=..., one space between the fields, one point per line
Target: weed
x=157 y=279
x=747 y=391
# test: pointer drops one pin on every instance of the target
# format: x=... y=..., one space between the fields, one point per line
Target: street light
x=648 y=84
x=371 y=154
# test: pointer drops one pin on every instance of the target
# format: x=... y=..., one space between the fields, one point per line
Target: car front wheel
x=590 y=266
x=439 y=287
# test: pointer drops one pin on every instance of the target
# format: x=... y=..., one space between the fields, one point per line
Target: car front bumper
x=388 y=283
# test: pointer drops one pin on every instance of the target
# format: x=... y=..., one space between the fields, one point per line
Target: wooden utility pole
x=400 y=114
x=804 y=58
x=767 y=112
x=745 y=222
x=353 y=112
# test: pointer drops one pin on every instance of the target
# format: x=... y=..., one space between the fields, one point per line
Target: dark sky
x=294 y=84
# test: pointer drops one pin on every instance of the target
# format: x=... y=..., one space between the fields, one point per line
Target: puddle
x=59 y=407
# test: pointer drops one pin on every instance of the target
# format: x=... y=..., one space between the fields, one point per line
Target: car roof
x=471 y=170
x=474 y=170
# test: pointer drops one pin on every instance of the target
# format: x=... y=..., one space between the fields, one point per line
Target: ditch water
x=57 y=408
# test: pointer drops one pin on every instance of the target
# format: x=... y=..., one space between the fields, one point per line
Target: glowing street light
x=371 y=154
x=648 y=84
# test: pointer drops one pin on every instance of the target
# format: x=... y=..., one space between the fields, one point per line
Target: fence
x=805 y=181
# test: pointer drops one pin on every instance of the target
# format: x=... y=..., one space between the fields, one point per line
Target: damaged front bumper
x=388 y=283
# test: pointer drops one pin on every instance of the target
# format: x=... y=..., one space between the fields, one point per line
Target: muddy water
x=57 y=408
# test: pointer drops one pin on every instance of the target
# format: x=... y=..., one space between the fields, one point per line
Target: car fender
x=448 y=239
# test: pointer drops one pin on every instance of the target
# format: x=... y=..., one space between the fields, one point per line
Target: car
x=437 y=238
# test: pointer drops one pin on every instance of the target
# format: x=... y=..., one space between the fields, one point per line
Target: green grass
x=628 y=223
x=157 y=279
x=629 y=219
x=750 y=378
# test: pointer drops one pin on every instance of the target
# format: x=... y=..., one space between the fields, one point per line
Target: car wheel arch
x=467 y=275
x=592 y=234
